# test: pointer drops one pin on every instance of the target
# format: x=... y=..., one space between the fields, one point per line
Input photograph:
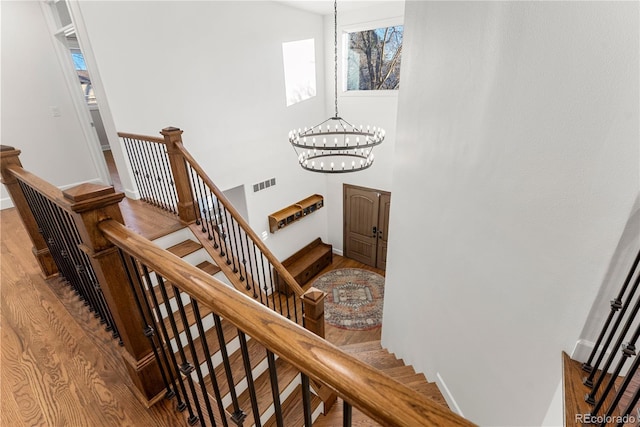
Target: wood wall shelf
x=294 y=212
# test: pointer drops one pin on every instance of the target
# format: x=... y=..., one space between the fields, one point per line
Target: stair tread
x=292 y=409
x=429 y=390
x=400 y=371
x=257 y=353
x=286 y=374
x=574 y=391
x=229 y=331
x=363 y=346
x=184 y=248
x=205 y=266
x=380 y=359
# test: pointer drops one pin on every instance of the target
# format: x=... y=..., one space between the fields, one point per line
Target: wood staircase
x=372 y=353
x=289 y=382
x=288 y=377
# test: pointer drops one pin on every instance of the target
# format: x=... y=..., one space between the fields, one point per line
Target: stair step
x=205 y=266
x=400 y=371
x=257 y=353
x=229 y=331
x=334 y=417
x=363 y=346
x=429 y=390
x=286 y=374
x=185 y=248
x=574 y=391
x=380 y=359
x=292 y=409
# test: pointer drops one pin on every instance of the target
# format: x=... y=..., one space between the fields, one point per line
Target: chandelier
x=335 y=145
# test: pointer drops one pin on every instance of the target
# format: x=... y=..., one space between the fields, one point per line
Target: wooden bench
x=304 y=264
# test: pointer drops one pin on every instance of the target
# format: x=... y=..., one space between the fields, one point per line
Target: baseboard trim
x=446 y=393
x=337 y=251
x=583 y=349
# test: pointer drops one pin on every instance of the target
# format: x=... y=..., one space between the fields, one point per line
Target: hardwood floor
x=56 y=371
x=58 y=366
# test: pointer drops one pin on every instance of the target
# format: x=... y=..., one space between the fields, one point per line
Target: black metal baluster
x=135 y=157
x=196 y=202
x=163 y=190
x=264 y=280
x=629 y=408
x=194 y=357
x=628 y=350
x=168 y=178
x=590 y=398
x=203 y=212
x=219 y=226
x=150 y=173
x=210 y=367
x=249 y=377
x=156 y=315
x=169 y=190
x=149 y=331
x=231 y=232
x=346 y=414
x=274 y=291
x=306 y=400
x=238 y=414
x=185 y=367
x=242 y=257
x=275 y=389
x=623 y=388
x=187 y=403
x=269 y=282
x=85 y=270
x=252 y=270
x=616 y=304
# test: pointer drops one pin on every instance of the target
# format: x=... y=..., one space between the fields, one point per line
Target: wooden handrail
x=283 y=272
x=155 y=139
x=374 y=393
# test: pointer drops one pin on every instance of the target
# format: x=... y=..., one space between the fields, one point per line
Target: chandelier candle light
x=335 y=145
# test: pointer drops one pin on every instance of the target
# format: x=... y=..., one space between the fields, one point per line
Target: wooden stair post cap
x=85 y=196
x=314 y=294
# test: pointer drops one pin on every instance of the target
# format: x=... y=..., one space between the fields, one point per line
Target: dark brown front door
x=366 y=220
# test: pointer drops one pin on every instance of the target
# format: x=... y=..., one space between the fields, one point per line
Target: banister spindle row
x=618 y=329
x=152 y=172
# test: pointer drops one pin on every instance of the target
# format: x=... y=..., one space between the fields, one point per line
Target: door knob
x=375 y=231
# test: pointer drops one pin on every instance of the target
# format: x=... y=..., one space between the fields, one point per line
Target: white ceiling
x=325 y=7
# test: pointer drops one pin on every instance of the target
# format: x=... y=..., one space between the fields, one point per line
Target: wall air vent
x=264 y=185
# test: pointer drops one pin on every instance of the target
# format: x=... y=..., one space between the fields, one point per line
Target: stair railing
x=620 y=331
x=188 y=362
x=66 y=244
x=242 y=255
x=154 y=296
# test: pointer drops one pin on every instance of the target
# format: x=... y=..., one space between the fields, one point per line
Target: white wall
x=32 y=82
x=214 y=69
x=372 y=108
x=516 y=169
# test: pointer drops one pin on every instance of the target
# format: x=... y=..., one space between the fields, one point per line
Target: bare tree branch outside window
x=374 y=57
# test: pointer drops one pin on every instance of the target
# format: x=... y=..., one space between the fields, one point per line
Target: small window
x=299 y=59
x=373 y=59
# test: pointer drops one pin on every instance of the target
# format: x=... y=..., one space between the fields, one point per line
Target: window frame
x=343 y=52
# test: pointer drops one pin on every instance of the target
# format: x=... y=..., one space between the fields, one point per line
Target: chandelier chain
x=335 y=54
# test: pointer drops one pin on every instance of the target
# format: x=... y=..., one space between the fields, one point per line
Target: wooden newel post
x=173 y=138
x=313 y=301
x=91 y=204
x=10 y=158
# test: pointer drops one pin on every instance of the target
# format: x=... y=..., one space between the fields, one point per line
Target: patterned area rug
x=354 y=298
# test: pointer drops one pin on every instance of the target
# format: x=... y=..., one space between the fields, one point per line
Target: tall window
x=299 y=59
x=373 y=59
